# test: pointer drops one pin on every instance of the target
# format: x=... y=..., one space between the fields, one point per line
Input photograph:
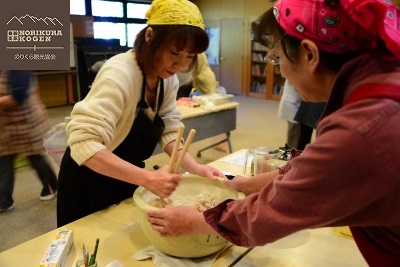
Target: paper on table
x=238 y=158
x=163 y=260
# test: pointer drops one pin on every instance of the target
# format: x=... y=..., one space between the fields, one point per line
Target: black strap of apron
x=142 y=102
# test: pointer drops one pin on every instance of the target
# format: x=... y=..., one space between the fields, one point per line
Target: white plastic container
x=216 y=99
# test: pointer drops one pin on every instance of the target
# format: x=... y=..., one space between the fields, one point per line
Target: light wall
x=248 y=10
x=217 y=9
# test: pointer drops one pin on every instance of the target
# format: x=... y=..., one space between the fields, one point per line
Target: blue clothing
x=18 y=82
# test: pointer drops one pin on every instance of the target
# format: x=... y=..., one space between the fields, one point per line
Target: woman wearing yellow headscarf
x=130 y=108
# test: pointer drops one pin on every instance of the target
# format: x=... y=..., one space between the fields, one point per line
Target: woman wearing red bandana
x=345 y=53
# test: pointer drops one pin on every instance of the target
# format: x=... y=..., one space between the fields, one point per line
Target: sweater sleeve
x=104 y=117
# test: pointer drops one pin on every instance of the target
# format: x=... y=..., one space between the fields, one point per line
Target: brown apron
x=82 y=191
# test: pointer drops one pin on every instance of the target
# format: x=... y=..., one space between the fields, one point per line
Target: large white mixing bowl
x=189 y=189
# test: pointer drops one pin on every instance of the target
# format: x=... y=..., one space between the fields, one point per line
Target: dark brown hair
x=265 y=29
x=188 y=37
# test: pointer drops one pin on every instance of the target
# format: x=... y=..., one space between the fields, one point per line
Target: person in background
x=288 y=107
x=301 y=117
x=23 y=124
x=308 y=116
x=130 y=108
x=345 y=53
x=200 y=77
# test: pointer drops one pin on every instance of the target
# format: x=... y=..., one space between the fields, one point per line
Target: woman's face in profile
x=172 y=60
x=292 y=72
x=312 y=85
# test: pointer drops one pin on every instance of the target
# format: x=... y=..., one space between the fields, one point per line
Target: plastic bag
x=55 y=142
x=220 y=89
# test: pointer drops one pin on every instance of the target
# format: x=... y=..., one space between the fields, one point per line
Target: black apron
x=82 y=191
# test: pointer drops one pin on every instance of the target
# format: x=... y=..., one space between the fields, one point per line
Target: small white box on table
x=57 y=252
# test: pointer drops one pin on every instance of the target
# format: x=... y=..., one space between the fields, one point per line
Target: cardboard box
x=59 y=249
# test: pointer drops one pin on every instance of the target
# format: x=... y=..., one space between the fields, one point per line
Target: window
x=109 y=30
x=77 y=7
x=137 y=11
x=107 y=9
x=133 y=30
x=114 y=19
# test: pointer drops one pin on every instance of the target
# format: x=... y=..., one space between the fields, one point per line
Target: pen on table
x=91 y=260
x=230 y=176
x=87 y=259
x=84 y=253
x=95 y=250
x=156 y=167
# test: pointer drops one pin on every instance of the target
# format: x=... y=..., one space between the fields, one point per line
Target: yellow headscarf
x=174 y=12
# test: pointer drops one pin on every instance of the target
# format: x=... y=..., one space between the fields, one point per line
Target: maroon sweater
x=349 y=176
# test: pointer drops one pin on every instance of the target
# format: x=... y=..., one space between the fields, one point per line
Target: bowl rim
x=138 y=200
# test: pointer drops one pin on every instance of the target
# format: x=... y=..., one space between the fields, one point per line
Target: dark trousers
x=7 y=176
x=299 y=135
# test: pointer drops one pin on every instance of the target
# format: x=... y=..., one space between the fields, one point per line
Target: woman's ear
x=310 y=54
x=149 y=34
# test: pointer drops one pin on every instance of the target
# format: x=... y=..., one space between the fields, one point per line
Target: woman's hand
x=238 y=183
x=253 y=184
x=207 y=171
x=178 y=221
x=162 y=183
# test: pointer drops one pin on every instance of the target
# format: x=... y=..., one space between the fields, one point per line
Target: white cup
x=263 y=159
x=261 y=156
